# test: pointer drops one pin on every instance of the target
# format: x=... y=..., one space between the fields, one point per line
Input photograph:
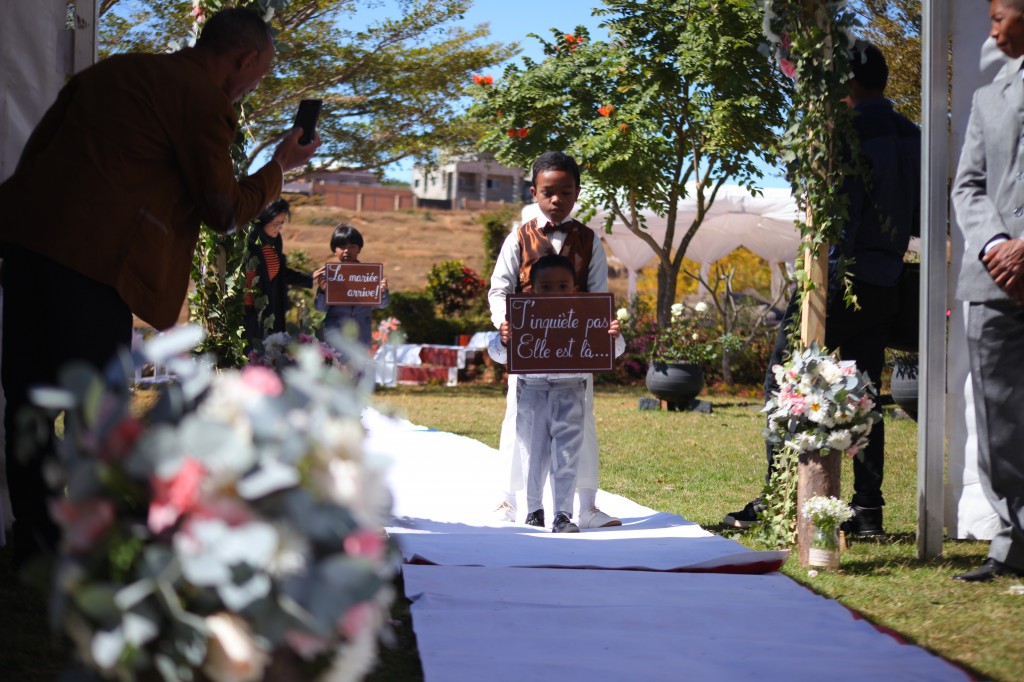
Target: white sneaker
x=506 y=512
x=595 y=518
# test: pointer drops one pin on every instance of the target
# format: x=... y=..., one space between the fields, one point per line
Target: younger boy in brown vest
x=555 y=188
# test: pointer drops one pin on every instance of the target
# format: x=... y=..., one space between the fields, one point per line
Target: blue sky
x=511 y=21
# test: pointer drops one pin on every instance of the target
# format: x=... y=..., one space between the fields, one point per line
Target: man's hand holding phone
x=298 y=147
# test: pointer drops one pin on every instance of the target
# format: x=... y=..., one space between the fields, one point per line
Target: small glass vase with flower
x=826 y=514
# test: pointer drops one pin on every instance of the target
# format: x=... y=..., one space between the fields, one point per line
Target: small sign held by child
x=559 y=334
x=354 y=283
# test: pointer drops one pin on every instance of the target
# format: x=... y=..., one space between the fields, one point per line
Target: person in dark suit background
x=988 y=197
x=102 y=215
x=884 y=213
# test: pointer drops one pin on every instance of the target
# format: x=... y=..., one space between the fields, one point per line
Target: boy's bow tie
x=550 y=228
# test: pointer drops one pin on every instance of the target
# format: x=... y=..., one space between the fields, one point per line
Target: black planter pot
x=903 y=386
x=678 y=384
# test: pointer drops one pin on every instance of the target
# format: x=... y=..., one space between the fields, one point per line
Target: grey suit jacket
x=988 y=193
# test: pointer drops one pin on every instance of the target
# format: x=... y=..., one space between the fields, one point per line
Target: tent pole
x=85 y=35
x=932 y=326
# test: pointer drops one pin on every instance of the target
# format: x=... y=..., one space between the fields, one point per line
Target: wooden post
x=819 y=475
x=812 y=314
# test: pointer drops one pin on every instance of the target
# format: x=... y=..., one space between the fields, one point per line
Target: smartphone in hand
x=306 y=117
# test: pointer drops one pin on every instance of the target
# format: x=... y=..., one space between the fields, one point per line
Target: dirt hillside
x=408 y=243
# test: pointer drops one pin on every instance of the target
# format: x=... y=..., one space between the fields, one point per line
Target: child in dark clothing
x=347 y=244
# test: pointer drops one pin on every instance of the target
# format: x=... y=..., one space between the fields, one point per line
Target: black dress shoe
x=989 y=570
x=535 y=518
x=866 y=522
x=563 y=524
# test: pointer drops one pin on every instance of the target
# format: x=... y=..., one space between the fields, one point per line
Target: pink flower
x=365 y=543
x=175 y=496
x=787 y=68
x=306 y=645
x=355 y=620
x=121 y=440
x=230 y=511
x=83 y=523
x=262 y=380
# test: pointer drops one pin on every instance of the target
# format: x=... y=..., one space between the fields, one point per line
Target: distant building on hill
x=469 y=182
x=354 y=191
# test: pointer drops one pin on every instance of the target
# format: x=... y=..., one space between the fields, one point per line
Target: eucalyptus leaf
x=96 y=600
x=50 y=398
x=139 y=630
x=106 y=647
x=176 y=341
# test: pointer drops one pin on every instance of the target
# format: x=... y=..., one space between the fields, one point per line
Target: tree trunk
x=666 y=295
x=727 y=368
x=818 y=475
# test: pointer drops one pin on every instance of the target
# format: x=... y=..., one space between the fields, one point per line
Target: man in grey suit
x=988 y=196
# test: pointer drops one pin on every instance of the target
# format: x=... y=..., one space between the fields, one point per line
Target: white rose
x=840 y=440
x=677 y=309
x=231 y=653
x=622 y=314
x=701 y=307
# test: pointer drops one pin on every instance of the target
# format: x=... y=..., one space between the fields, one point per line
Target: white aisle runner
x=488 y=603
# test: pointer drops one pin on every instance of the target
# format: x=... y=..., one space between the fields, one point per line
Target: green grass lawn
x=700 y=466
x=703 y=466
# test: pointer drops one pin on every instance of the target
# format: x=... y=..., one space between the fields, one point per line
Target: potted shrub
x=675 y=373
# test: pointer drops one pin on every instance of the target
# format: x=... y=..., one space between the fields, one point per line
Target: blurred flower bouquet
x=822 y=404
x=231 y=534
x=277 y=351
x=686 y=338
x=383 y=334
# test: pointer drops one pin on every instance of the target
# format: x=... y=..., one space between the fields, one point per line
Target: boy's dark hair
x=235 y=28
x=551 y=261
x=555 y=161
x=344 y=235
x=869 y=67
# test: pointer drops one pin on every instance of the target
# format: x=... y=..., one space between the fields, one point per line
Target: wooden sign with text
x=558 y=334
x=354 y=283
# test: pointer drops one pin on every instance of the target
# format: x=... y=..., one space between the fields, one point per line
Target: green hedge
x=421 y=324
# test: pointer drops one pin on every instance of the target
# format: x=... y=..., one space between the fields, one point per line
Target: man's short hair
x=1012 y=4
x=235 y=29
x=551 y=261
x=869 y=67
x=555 y=161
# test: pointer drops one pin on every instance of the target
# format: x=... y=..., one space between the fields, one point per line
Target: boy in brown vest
x=555 y=188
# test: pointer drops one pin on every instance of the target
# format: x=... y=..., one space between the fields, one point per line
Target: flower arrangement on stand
x=824 y=406
x=679 y=356
x=233 y=533
x=826 y=514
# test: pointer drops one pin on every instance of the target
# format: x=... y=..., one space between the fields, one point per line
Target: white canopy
x=764 y=224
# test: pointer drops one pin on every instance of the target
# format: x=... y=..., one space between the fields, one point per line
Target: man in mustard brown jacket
x=101 y=217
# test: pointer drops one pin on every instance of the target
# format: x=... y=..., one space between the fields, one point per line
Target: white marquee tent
x=764 y=224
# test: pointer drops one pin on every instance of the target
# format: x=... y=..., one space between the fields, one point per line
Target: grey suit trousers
x=995 y=338
x=549 y=431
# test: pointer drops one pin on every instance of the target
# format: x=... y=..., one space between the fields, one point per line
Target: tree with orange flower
x=675 y=103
